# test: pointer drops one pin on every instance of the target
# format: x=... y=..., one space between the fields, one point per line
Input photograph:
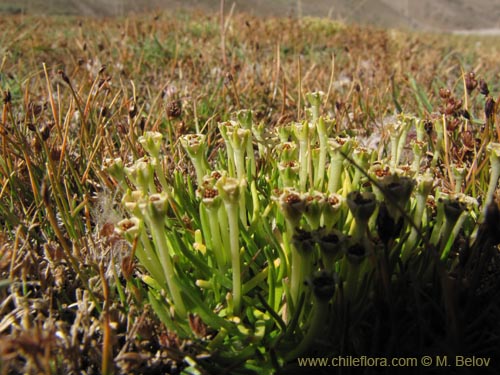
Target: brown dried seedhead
x=63 y=76
x=174 y=109
x=470 y=82
x=444 y=93
x=483 y=88
x=7 y=97
x=489 y=108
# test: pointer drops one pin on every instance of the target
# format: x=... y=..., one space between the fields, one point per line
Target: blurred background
x=446 y=15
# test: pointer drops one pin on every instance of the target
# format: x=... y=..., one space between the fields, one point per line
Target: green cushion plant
x=272 y=262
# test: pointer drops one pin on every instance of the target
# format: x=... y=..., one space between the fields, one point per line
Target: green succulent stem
x=230 y=190
x=352 y=275
x=134 y=232
x=420 y=129
x=232 y=214
x=451 y=234
x=439 y=145
x=150 y=261
x=418 y=151
x=316 y=330
x=494 y=150
x=302 y=134
x=423 y=191
x=156 y=221
x=455 y=214
x=402 y=138
x=300 y=269
x=323 y=150
x=216 y=239
x=361 y=158
x=335 y=171
x=245 y=119
x=225 y=133
x=315 y=99
x=323 y=289
x=438 y=225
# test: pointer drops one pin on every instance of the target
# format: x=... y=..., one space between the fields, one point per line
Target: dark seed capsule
x=470 y=82
x=7 y=97
x=45 y=132
x=132 y=110
x=468 y=139
x=465 y=114
x=174 y=109
x=483 y=88
x=64 y=77
x=489 y=107
x=428 y=126
x=45 y=193
x=444 y=93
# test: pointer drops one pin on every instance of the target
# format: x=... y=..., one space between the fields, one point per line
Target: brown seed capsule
x=292 y=198
x=63 y=75
x=127 y=267
x=216 y=175
x=428 y=126
x=483 y=88
x=465 y=114
x=45 y=132
x=444 y=93
x=452 y=124
x=489 y=107
x=468 y=139
x=333 y=200
x=210 y=193
x=132 y=110
x=174 y=109
x=105 y=113
x=7 y=97
x=36 y=145
x=45 y=193
x=470 y=82
x=34 y=109
x=102 y=69
x=55 y=153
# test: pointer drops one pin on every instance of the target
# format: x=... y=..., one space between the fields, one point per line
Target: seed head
x=470 y=82
x=132 y=110
x=174 y=109
x=483 y=88
x=210 y=193
x=64 y=77
x=45 y=132
x=7 y=97
x=292 y=199
x=489 y=107
x=444 y=93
